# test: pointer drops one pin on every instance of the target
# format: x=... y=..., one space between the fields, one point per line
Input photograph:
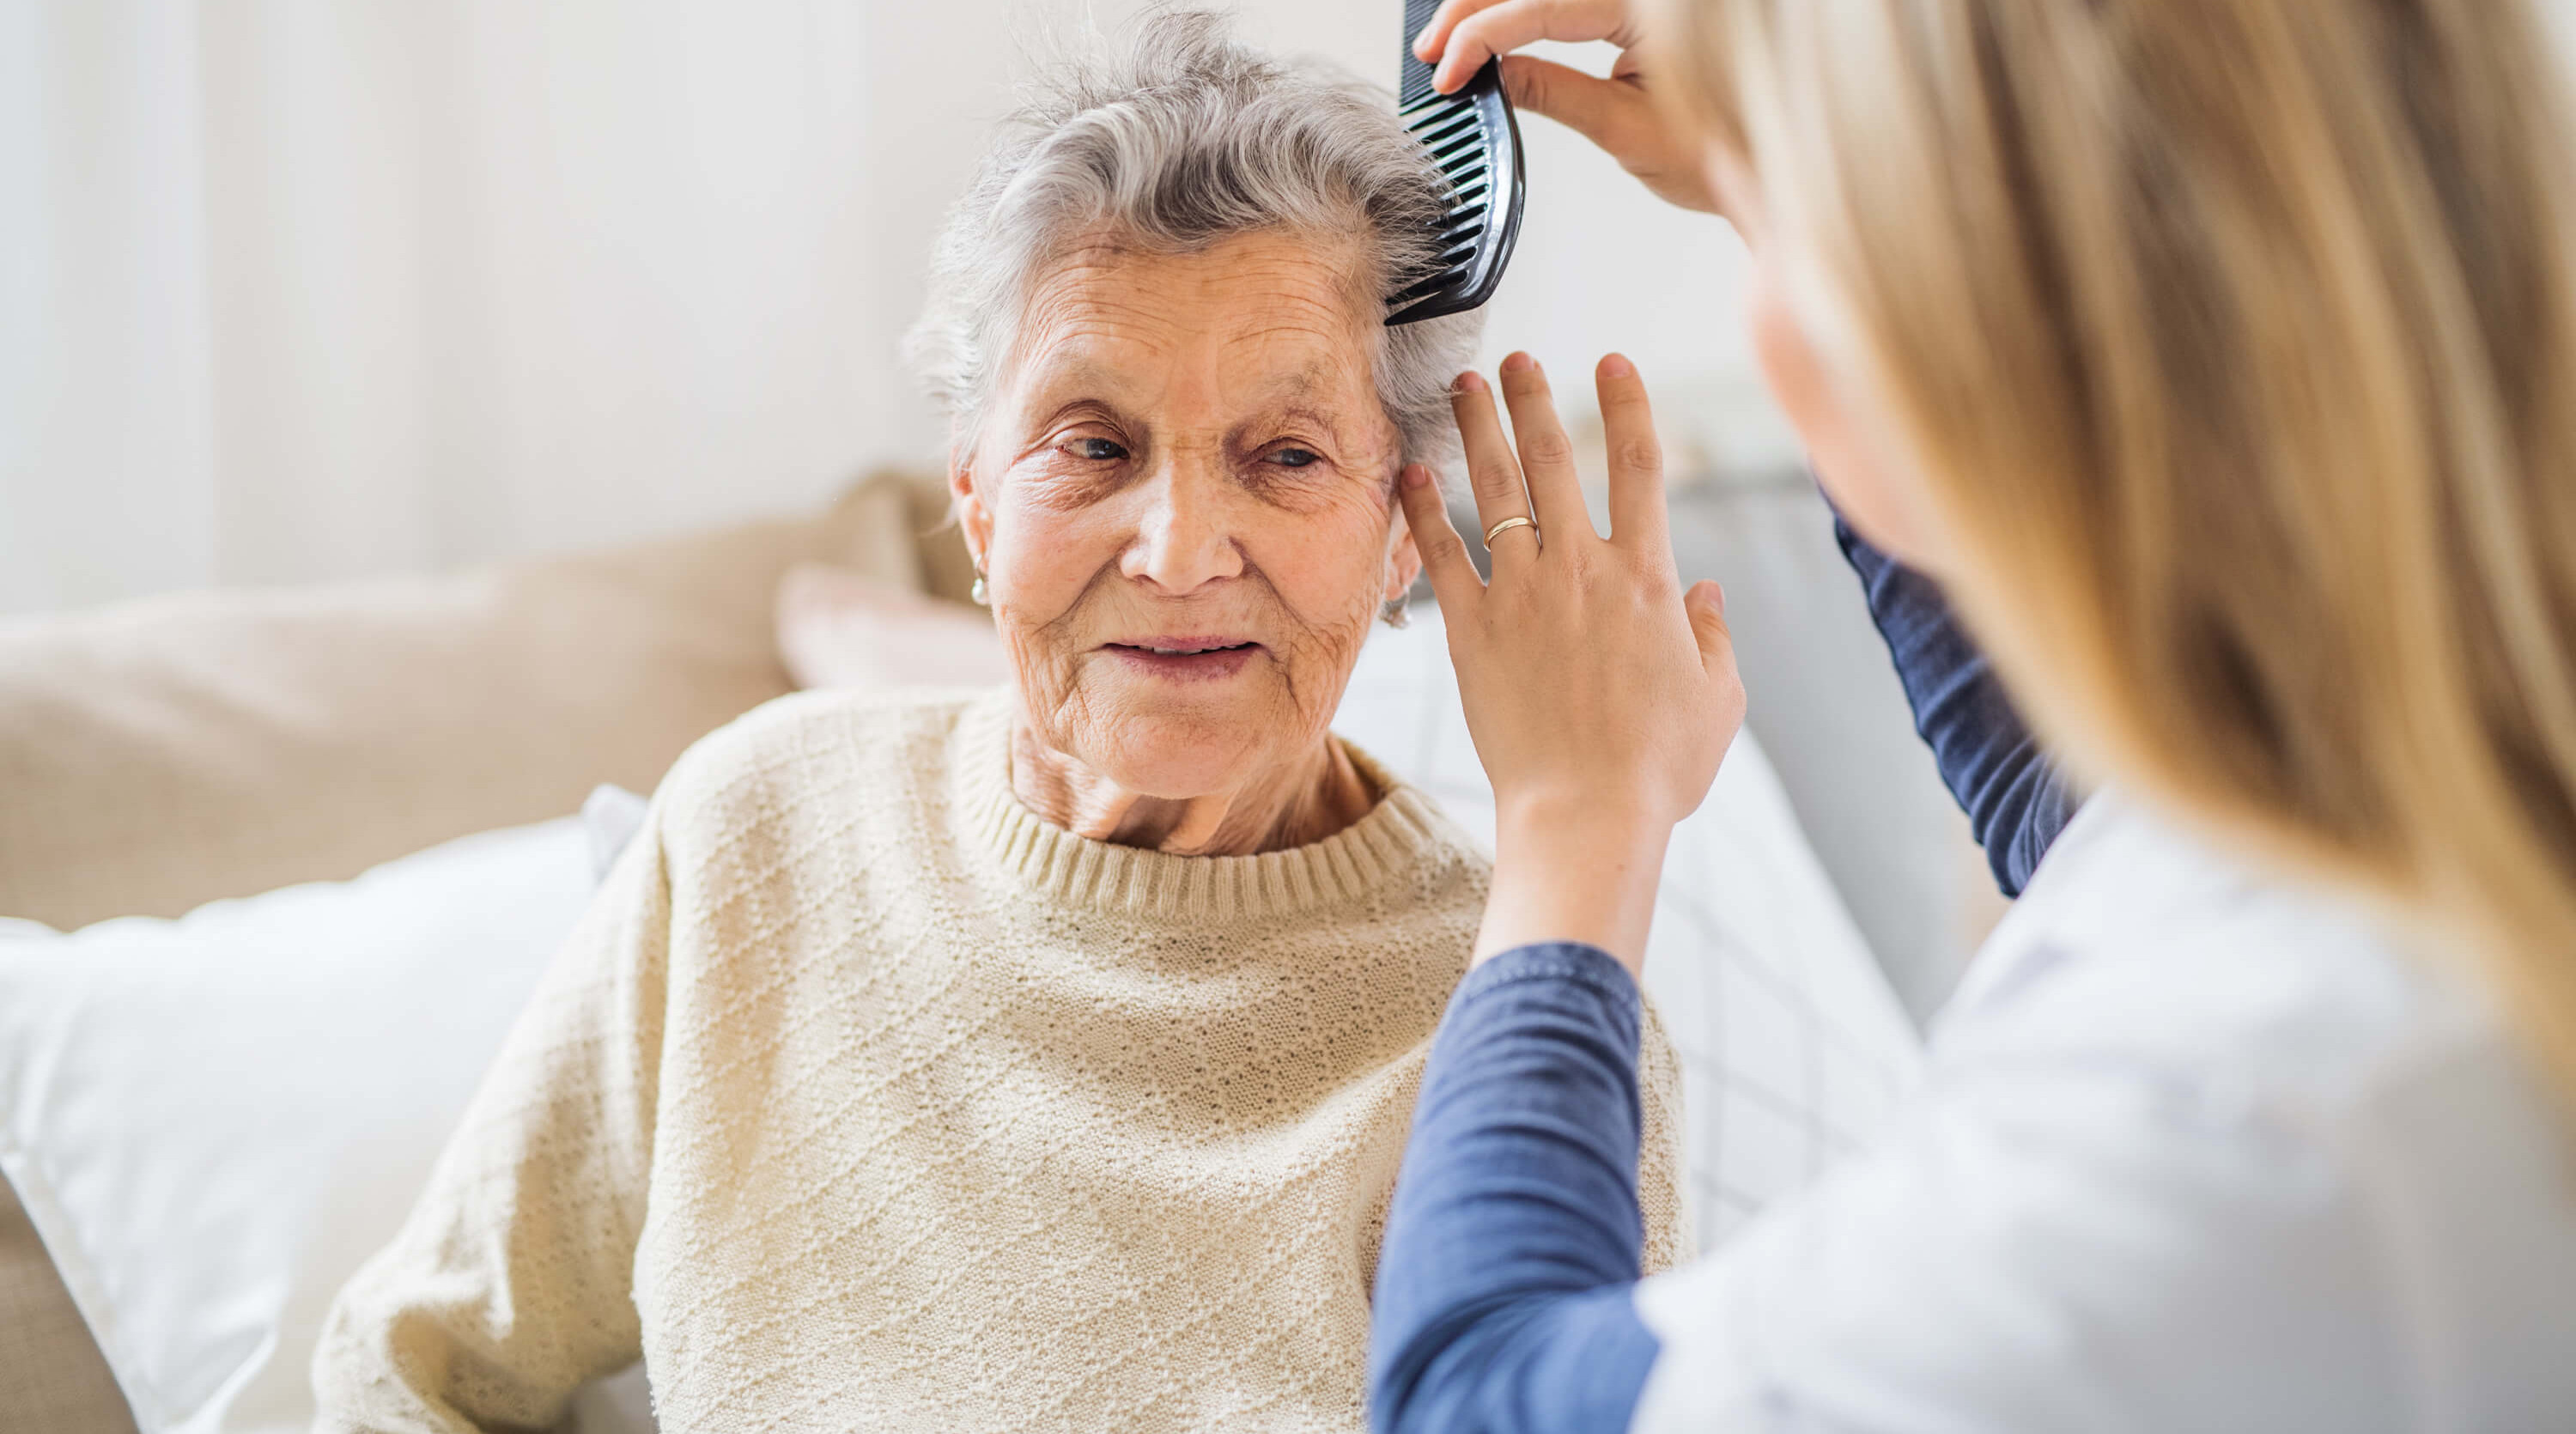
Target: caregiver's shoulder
x=791 y=750
x=2145 y=946
x=2276 y=1027
x=2228 y=1130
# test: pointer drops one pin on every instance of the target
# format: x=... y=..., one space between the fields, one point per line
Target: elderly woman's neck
x=1289 y=805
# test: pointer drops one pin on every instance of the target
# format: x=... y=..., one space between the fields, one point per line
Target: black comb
x=1477 y=144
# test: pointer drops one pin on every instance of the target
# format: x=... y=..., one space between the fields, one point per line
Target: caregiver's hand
x=1619 y=113
x=1600 y=696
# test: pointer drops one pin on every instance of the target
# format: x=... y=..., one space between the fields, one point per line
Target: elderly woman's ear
x=1404 y=562
x=974 y=516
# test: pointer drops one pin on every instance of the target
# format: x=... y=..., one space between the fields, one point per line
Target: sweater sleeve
x=510 y=1283
x=2016 y=800
x=1504 y=1286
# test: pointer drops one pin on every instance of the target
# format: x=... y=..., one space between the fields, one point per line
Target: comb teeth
x=1438 y=121
x=1470 y=137
x=1414 y=77
x=1451 y=131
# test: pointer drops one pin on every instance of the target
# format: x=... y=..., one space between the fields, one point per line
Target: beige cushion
x=161 y=754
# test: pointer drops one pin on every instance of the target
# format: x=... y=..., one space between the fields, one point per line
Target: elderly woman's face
x=1184 y=500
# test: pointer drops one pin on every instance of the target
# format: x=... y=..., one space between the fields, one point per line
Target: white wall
x=308 y=290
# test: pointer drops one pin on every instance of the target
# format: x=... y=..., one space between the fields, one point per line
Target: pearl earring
x=980 y=593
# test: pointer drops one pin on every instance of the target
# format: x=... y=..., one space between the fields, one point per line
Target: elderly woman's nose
x=1184 y=536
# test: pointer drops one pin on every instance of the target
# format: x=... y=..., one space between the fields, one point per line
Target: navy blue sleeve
x=1503 y=1288
x=2014 y=797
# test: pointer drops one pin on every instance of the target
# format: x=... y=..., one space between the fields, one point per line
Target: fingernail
x=1415 y=475
x=1617 y=366
x=1517 y=362
x=1470 y=382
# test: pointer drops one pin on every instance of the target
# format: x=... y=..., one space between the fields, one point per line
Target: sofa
x=168 y=752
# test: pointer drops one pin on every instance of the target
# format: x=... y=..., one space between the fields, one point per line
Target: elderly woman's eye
x=1293 y=457
x=1096 y=450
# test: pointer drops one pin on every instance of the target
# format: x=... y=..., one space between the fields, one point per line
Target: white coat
x=2200 y=1151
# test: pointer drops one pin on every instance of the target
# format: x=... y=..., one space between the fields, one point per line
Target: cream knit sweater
x=864 y=1099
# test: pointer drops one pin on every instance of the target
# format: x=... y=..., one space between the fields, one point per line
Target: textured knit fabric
x=865 y=1099
x=2016 y=800
x=1504 y=1303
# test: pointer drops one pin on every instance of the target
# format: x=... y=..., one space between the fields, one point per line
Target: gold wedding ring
x=1507 y=525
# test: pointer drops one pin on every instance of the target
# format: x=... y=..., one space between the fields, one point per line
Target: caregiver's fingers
x=1434 y=35
x=1481 y=31
x=1493 y=475
x=1637 y=518
x=1547 y=454
x=1444 y=553
x=1706 y=605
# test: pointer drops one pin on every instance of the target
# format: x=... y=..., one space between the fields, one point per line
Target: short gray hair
x=1182 y=139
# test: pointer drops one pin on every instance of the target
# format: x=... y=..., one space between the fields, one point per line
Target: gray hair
x=1185 y=139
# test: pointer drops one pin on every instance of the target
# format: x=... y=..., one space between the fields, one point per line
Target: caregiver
x=2218 y=360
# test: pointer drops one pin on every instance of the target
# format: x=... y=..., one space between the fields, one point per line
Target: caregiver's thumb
x=1606 y=112
x=1706 y=604
x=1620 y=116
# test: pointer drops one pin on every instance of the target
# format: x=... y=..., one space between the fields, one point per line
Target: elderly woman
x=1038 y=1059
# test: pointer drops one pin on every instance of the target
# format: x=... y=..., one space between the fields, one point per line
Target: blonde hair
x=2236 y=342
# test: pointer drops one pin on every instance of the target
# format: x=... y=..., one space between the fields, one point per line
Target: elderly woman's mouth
x=1186 y=658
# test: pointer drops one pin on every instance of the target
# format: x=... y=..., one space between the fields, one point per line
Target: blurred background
x=295 y=291
x=302 y=290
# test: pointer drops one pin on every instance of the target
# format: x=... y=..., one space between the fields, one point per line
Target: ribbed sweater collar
x=1371 y=855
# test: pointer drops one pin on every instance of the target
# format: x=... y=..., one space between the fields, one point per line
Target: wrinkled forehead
x=1257 y=320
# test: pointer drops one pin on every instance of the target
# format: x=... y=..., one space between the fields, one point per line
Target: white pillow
x=213 y=1120
x=1794 y=1050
